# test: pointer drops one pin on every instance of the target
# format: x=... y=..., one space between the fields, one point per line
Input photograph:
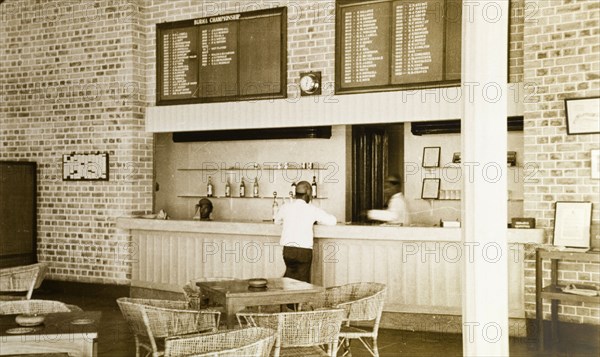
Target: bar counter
x=421 y=265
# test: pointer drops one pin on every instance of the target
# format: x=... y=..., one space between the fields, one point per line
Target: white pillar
x=484 y=146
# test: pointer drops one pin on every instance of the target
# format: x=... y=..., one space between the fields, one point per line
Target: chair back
x=363 y=301
x=252 y=341
x=35 y=307
x=152 y=319
x=22 y=278
x=300 y=329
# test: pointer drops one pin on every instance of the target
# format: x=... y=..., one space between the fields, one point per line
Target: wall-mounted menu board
x=229 y=57
x=395 y=44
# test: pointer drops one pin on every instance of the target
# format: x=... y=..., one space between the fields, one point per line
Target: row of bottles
x=255 y=190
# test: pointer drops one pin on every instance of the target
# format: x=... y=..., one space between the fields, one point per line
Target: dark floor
x=116 y=340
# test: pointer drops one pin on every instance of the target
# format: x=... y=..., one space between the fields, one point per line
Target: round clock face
x=309 y=83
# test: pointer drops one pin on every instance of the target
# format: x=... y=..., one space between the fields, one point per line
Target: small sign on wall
x=85 y=167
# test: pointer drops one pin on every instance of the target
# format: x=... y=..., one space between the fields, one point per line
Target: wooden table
x=553 y=292
x=60 y=332
x=235 y=295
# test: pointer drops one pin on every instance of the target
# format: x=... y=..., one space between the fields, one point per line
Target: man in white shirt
x=298 y=218
x=396 y=212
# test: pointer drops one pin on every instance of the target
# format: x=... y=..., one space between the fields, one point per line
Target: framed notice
x=583 y=115
x=85 y=167
x=238 y=56
x=431 y=189
x=431 y=156
x=572 y=222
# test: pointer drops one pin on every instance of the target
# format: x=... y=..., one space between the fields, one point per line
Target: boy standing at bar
x=298 y=218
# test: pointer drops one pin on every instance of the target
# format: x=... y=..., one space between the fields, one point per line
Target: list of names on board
x=207 y=59
x=218 y=60
x=364 y=47
x=418 y=39
x=179 y=72
x=389 y=43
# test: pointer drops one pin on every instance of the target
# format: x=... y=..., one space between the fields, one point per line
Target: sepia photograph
x=367 y=178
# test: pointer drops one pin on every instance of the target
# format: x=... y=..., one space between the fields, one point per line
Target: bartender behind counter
x=396 y=212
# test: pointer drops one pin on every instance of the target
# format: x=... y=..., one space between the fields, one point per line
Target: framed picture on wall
x=85 y=167
x=572 y=223
x=431 y=156
x=583 y=115
x=431 y=189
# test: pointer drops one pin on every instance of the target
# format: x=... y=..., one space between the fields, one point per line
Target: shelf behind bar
x=238 y=197
x=254 y=168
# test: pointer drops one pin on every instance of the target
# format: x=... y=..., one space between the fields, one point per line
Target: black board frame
x=281 y=93
x=340 y=4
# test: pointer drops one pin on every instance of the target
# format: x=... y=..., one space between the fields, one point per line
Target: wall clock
x=310 y=83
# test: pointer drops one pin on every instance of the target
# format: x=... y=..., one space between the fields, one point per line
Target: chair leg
x=346 y=343
x=371 y=348
x=375 y=349
x=137 y=347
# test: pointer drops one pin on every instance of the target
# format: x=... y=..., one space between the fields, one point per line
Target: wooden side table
x=554 y=292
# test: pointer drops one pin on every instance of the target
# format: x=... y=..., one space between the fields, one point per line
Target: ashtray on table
x=29 y=319
x=258 y=283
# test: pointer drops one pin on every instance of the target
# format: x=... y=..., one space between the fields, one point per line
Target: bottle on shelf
x=314 y=187
x=291 y=198
x=255 y=188
x=242 y=188
x=209 y=188
x=227 y=188
x=293 y=191
x=275 y=205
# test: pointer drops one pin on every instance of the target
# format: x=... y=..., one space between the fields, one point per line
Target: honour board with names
x=387 y=45
x=212 y=59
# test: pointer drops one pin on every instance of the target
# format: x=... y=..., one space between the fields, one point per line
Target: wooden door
x=18 y=223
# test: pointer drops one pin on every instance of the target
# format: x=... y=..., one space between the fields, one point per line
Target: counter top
x=339 y=231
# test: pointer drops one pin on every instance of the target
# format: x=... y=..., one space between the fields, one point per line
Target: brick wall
x=562 y=60
x=71 y=81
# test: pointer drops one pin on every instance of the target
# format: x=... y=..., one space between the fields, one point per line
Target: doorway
x=377 y=151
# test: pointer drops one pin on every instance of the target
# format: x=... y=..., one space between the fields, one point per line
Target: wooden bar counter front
x=420 y=265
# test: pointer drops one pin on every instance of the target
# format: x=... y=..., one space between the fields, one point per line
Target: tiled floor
x=115 y=339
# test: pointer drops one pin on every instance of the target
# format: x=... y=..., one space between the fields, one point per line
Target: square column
x=484 y=146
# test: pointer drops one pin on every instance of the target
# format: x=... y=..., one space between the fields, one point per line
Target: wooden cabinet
x=18 y=221
x=553 y=292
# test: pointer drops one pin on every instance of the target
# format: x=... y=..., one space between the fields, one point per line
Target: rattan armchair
x=362 y=302
x=21 y=279
x=31 y=307
x=300 y=333
x=154 y=320
x=252 y=341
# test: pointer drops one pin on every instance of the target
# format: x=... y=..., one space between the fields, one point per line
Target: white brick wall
x=71 y=82
x=562 y=60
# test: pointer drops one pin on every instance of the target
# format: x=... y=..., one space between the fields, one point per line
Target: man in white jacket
x=396 y=212
x=298 y=218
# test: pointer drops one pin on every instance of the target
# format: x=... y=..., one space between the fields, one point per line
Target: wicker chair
x=363 y=302
x=31 y=307
x=154 y=320
x=252 y=341
x=21 y=279
x=300 y=333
